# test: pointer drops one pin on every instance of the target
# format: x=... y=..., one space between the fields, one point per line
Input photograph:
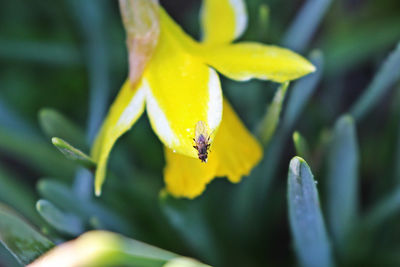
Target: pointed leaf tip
x=97 y=191
x=311 y=240
x=66 y=223
x=342 y=180
x=271 y=118
x=73 y=153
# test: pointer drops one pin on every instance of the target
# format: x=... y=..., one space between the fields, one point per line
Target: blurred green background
x=70 y=56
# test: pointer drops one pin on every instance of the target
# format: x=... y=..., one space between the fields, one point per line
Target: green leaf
x=342 y=180
x=73 y=153
x=305 y=24
x=65 y=223
x=263 y=21
x=271 y=119
x=35 y=152
x=184 y=262
x=397 y=155
x=11 y=120
x=101 y=248
x=253 y=191
x=301 y=145
x=187 y=218
x=344 y=44
x=7 y=259
x=383 y=210
x=56 y=53
x=91 y=16
x=66 y=199
x=306 y=221
x=24 y=242
x=54 y=123
x=18 y=195
x=301 y=92
x=383 y=80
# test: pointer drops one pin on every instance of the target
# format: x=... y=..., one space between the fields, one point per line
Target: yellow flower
x=180 y=88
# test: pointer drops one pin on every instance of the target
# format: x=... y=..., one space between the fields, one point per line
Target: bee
x=202 y=140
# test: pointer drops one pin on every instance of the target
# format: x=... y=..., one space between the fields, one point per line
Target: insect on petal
x=187 y=177
x=182 y=90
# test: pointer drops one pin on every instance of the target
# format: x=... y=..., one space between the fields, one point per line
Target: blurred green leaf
x=342 y=180
x=100 y=248
x=65 y=223
x=184 y=262
x=298 y=97
x=187 y=218
x=90 y=16
x=54 y=123
x=40 y=52
x=7 y=259
x=271 y=119
x=34 y=152
x=11 y=120
x=25 y=243
x=263 y=20
x=307 y=20
x=73 y=154
x=67 y=199
x=22 y=141
x=397 y=157
x=301 y=92
x=383 y=210
x=18 y=195
x=383 y=80
x=343 y=45
x=310 y=238
x=255 y=187
x=301 y=145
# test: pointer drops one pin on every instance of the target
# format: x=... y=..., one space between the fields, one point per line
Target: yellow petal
x=223 y=20
x=187 y=177
x=244 y=61
x=182 y=90
x=233 y=154
x=184 y=40
x=236 y=148
x=124 y=112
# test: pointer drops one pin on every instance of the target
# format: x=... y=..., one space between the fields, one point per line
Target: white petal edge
x=214 y=112
x=158 y=119
x=239 y=8
x=134 y=108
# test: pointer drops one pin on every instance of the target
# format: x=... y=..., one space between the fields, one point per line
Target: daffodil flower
x=180 y=87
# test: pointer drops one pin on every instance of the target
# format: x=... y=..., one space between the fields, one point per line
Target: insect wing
x=201 y=129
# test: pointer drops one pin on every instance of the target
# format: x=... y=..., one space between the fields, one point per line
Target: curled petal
x=124 y=112
x=233 y=154
x=181 y=91
x=187 y=177
x=236 y=148
x=223 y=20
x=244 y=61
